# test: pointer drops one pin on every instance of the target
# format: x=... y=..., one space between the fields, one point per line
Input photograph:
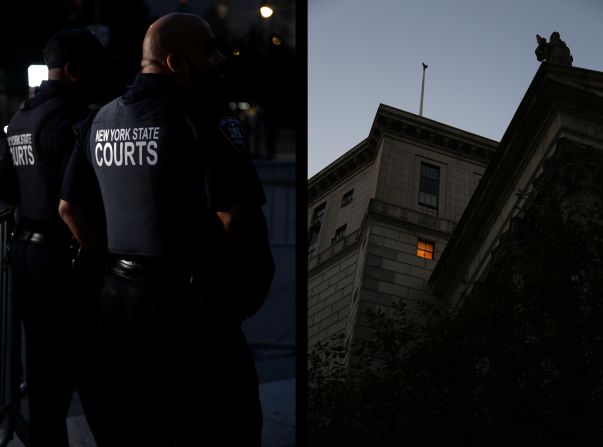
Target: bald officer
x=189 y=249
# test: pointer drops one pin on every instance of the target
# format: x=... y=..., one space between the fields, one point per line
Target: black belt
x=136 y=270
x=129 y=269
x=40 y=238
x=30 y=236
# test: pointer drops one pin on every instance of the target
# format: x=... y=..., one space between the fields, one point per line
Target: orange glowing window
x=425 y=250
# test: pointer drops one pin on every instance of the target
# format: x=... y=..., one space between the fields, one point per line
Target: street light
x=36 y=74
x=266 y=9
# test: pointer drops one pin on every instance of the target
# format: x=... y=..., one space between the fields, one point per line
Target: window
x=429 y=189
x=347 y=197
x=312 y=241
x=318 y=216
x=339 y=234
x=425 y=249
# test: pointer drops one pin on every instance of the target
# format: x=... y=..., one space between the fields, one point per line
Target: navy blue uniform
x=177 y=364
x=9 y=192
x=40 y=140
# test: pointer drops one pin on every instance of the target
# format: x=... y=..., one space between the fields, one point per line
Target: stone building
x=415 y=210
x=380 y=216
x=557 y=134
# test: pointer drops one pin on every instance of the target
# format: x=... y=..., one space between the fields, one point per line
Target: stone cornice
x=414 y=128
x=411 y=219
x=401 y=217
x=348 y=164
x=406 y=126
x=554 y=89
x=334 y=252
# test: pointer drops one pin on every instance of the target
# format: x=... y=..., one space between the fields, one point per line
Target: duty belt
x=40 y=238
x=31 y=236
x=136 y=270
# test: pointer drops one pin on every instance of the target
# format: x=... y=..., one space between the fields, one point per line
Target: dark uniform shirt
x=165 y=162
x=9 y=191
x=40 y=140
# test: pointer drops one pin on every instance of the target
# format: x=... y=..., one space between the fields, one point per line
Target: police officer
x=41 y=139
x=188 y=242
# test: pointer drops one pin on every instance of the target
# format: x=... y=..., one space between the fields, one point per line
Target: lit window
x=429 y=189
x=339 y=234
x=347 y=197
x=425 y=249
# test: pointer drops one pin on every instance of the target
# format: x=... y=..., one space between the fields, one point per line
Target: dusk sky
x=480 y=55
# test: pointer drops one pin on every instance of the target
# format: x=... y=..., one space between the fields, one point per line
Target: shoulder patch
x=233 y=131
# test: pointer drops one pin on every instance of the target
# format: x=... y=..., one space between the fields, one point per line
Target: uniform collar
x=151 y=84
x=51 y=89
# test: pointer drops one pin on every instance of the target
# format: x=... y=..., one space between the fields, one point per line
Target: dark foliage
x=519 y=363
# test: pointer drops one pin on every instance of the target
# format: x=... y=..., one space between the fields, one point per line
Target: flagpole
x=422 y=90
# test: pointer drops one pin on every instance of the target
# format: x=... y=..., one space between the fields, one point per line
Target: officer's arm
x=247 y=234
x=9 y=190
x=81 y=225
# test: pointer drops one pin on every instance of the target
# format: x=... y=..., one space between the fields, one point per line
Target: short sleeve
x=79 y=181
x=231 y=178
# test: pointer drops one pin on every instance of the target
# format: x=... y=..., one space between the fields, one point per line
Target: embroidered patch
x=233 y=131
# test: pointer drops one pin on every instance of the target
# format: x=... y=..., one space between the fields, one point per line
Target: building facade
x=415 y=211
x=380 y=216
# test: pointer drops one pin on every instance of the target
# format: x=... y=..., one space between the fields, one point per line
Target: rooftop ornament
x=555 y=51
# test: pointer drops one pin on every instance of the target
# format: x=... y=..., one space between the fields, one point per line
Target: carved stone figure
x=555 y=50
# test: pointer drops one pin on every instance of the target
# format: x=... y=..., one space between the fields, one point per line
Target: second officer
x=188 y=242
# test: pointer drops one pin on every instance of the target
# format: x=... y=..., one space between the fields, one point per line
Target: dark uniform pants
x=58 y=330
x=178 y=374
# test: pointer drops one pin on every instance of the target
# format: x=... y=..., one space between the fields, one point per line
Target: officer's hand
x=88 y=268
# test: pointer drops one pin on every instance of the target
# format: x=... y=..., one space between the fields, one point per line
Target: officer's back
x=183 y=208
x=41 y=139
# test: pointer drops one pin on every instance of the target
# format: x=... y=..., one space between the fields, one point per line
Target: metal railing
x=12 y=389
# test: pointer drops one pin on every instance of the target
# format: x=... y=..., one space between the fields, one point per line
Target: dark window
x=312 y=241
x=429 y=189
x=347 y=197
x=318 y=216
x=339 y=234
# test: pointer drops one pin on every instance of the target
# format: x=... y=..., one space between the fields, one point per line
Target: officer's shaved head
x=177 y=44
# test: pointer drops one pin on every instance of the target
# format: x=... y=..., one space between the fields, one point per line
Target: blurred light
x=232 y=105
x=276 y=41
x=221 y=9
x=243 y=105
x=252 y=111
x=36 y=74
x=236 y=52
x=266 y=10
x=6 y=128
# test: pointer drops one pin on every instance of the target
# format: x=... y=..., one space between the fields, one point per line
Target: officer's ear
x=71 y=72
x=174 y=63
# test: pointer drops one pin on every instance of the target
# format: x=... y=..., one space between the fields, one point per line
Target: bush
x=520 y=363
